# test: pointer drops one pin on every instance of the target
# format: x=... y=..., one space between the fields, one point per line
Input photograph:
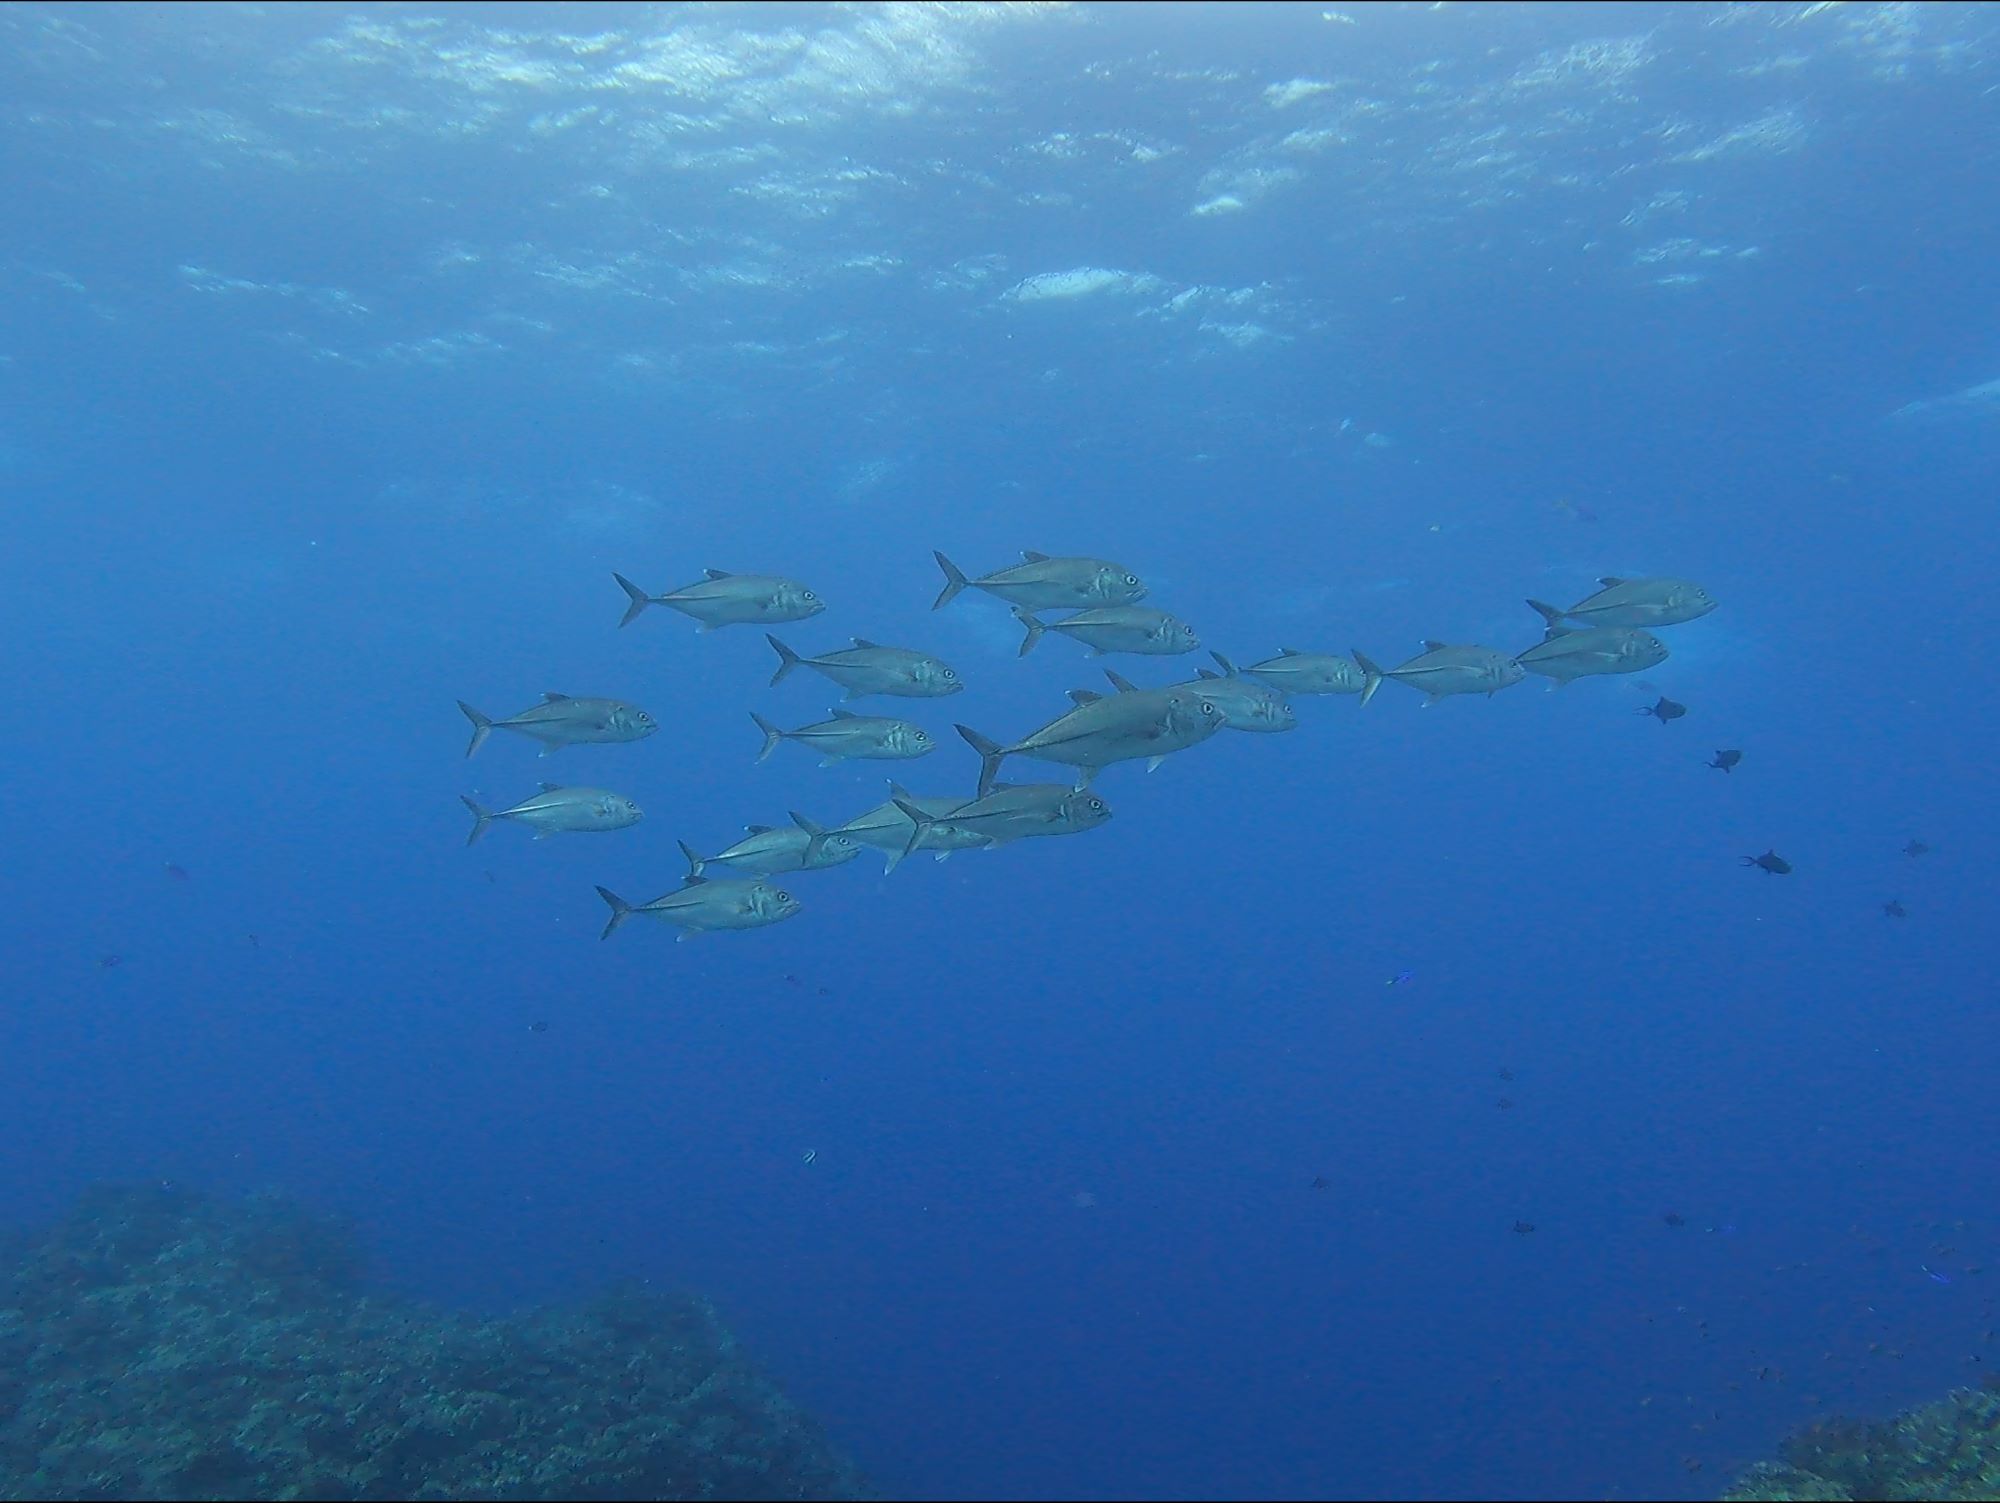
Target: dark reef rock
x=161 y=1344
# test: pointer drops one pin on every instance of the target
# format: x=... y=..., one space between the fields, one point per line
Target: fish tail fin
x=815 y=835
x=1551 y=617
x=772 y=735
x=481 y=727
x=989 y=757
x=787 y=659
x=954 y=581
x=639 y=598
x=919 y=822
x=1223 y=663
x=1371 y=676
x=1034 y=629
x=620 y=911
x=695 y=863
x=481 y=818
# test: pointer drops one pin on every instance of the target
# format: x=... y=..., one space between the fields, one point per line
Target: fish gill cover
x=158 y=1343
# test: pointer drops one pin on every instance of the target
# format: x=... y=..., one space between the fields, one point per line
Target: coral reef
x=1950 y=1449
x=162 y=1344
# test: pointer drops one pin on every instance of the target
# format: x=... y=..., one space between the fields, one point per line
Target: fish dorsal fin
x=1430 y=646
x=550 y=697
x=864 y=642
x=758 y=829
x=1085 y=696
x=715 y=573
x=1119 y=682
x=552 y=788
x=1210 y=673
x=1223 y=663
x=1029 y=556
x=1288 y=652
x=898 y=791
x=839 y=714
x=1610 y=581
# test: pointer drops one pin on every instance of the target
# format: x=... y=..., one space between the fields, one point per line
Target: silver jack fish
x=870 y=668
x=560 y=721
x=1635 y=602
x=1149 y=723
x=719 y=599
x=887 y=827
x=1297 y=672
x=1571 y=652
x=769 y=849
x=847 y=735
x=1440 y=670
x=702 y=905
x=557 y=810
x=1041 y=583
x=1116 y=628
x=1016 y=811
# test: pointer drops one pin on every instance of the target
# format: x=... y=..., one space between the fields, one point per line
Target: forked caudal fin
x=919 y=822
x=639 y=598
x=1371 y=676
x=787 y=659
x=481 y=727
x=772 y=735
x=1551 y=617
x=991 y=756
x=620 y=911
x=1034 y=629
x=481 y=818
x=954 y=581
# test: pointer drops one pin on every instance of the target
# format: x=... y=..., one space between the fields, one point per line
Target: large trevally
x=1116 y=628
x=870 y=668
x=1634 y=602
x=702 y=905
x=1041 y=583
x=557 y=810
x=769 y=849
x=1246 y=703
x=1572 y=653
x=1297 y=672
x=1103 y=729
x=1016 y=811
x=888 y=827
x=560 y=721
x=721 y=599
x=847 y=735
x=1441 y=669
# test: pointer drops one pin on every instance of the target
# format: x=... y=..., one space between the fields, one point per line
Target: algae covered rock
x=1948 y=1450
x=162 y=1344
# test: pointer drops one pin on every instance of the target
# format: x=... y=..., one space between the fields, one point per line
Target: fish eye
x=783 y=896
x=1131 y=579
x=1207 y=708
x=1097 y=806
x=811 y=596
x=950 y=673
x=644 y=718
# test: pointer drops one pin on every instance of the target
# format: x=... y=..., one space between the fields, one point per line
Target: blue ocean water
x=346 y=351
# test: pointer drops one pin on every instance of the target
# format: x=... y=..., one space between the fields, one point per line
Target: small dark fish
x=253 y=942
x=822 y=991
x=1894 y=909
x=1674 y=1218
x=790 y=979
x=1506 y=1104
x=1399 y=978
x=1506 y=1074
x=109 y=962
x=1916 y=848
x=538 y=1026
x=176 y=872
x=1726 y=759
x=1522 y=1228
x=1665 y=710
x=1771 y=862
x=1319 y=1182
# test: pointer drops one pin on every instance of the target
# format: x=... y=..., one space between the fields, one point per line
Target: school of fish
x=1609 y=631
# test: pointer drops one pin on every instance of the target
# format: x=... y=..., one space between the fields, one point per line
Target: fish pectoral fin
x=1153 y=762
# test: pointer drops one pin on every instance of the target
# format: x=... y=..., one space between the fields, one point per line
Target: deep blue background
x=259 y=536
